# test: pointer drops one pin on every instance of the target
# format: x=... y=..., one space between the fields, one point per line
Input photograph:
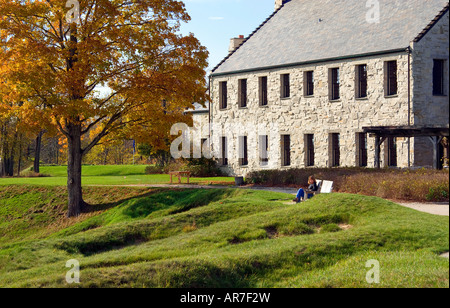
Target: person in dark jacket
x=313 y=187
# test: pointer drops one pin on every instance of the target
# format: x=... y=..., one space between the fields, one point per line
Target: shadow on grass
x=161 y=203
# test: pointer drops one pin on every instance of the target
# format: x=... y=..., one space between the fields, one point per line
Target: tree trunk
x=19 y=163
x=76 y=203
x=37 y=153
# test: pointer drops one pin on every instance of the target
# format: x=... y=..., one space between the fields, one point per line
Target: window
x=285 y=86
x=223 y=95
x=263 y=95
x=224 y=151
x=391 y=78
x=285 y=150
x=204 y=145
x=362 y=149
x=335 y=151
x=438 y=77
x=308 y=78
x=361 y=81
x=243 y=151
x=242 y=93
x=309 y=150
x=335 y=84
x=264 y=150
x=391 y=152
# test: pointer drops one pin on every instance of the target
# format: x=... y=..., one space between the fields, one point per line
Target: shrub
x=412 y=185
x=203 y=167
x=154 y=170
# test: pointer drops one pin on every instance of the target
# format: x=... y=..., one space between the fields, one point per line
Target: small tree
x=133 y=48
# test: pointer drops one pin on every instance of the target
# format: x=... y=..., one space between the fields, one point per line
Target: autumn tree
x=102 y=63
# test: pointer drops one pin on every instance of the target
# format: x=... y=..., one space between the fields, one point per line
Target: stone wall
x=300 y=115
x=429 y=110
x=200 y=129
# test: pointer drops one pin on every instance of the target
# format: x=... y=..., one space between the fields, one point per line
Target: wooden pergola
x=380 y=133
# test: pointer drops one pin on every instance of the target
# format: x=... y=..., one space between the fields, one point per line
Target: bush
x=203 y=167
x=412 y=185
x=154 y=170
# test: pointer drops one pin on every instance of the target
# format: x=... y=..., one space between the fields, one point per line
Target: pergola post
x=378 y=141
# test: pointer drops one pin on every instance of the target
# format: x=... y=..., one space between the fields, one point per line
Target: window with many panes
x=391 y=86
x=243 y=151
x=309 y=150
x=362 y=149
x=361 y=81
x=264 y=150
x=285 y=86
x=224 y=151
x=335 y=84
x=285 y=150
x=335 y=150
x=223 y=95
x=263 y=94
x=242 y=93
x=309 y=83
x=391 y=152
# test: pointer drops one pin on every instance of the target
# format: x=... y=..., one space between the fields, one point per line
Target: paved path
x=436 y=208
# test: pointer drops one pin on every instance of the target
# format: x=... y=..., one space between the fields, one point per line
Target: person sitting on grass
x=313 y=187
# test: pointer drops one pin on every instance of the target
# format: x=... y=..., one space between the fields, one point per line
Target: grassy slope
x=106 y=175
x=232 y=238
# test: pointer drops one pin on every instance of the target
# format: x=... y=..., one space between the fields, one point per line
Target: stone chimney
x=235 y=43
x=279 y=3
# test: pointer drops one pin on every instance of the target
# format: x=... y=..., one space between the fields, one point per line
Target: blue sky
x=215 y=22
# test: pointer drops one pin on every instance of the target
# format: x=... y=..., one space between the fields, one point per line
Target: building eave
x=349 y=57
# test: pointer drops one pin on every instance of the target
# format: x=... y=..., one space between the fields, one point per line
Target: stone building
x=329 y=83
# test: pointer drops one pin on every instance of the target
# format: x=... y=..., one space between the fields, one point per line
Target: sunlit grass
x=224 y=238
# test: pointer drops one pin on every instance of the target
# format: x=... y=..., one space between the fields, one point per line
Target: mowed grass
x=221 y=238
x=108 y=175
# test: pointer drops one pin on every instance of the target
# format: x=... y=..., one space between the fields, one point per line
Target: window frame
x=243 y=151
x=224 y=151
x=308 y=83
x=441 y=85
x=335 y=150
x=309 y=150
x=391 y=78
x=285 y=86
x=243 y=95
x=362 y=149
x=361 y=83
x=264 y=150
x=223 y=95
x=335 y=84
x=263 y=91
x=286 y=150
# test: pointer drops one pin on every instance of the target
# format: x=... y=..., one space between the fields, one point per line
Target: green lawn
x=107 y=175
x=139 y=237
x=90 y=170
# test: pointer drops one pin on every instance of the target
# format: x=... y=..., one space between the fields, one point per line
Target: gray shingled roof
x=295 y=35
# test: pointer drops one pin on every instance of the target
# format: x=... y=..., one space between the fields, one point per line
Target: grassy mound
x=232 y=238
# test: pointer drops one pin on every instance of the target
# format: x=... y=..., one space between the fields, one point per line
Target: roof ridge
x=431 y=24
x=247 y=38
